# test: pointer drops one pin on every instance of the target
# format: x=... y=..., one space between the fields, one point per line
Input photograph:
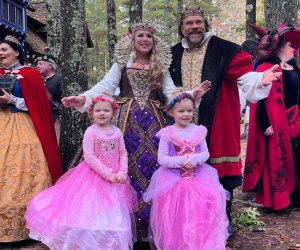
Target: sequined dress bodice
x=107 y=148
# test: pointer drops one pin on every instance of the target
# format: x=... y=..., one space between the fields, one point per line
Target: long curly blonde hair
x=156 y=70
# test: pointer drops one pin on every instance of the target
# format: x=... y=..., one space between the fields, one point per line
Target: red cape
x=270 y=158
x=35 y=95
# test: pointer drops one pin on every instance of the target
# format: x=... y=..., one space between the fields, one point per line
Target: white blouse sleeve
x=168 y=85
x=18 y=102
x=251 y=86
x=107 y=85
x=169 y=88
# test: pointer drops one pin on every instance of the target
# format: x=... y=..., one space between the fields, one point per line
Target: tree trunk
x=111 y=28
x=179 y=13
x=74 y=60
x=135 y=12
x=280 y=11
x=97 y=48
x=250 y=17
x=167 y=22
x=54 y=35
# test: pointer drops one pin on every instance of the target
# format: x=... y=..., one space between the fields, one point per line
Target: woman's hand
x=201 y=89
x=73 y=101
x=5 y=97
x=269 y=131
x=271 y=75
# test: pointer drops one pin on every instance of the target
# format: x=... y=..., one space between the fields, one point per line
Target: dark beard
x=194 y=44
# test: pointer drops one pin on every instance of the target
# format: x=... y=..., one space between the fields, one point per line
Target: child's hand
x=188 y=164
x=113 y=178
x=120 y=179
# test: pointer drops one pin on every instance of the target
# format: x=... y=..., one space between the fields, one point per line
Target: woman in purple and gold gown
x=141 y=73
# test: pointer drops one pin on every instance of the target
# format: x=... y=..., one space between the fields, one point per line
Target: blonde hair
x=156 y=74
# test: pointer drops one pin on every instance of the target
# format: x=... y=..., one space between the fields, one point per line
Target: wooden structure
x=29 y=24
x=13 y=18
x=36 y=41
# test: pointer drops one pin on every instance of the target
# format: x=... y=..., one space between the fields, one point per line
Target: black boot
x=230 y=228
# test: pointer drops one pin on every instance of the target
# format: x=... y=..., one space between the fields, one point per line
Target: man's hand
x=201 y=89
x=271 y=75
x=73 y=101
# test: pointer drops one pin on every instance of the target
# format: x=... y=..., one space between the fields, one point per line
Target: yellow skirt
x=23 y=172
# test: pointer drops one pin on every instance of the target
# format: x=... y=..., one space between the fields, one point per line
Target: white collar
x=185 y=43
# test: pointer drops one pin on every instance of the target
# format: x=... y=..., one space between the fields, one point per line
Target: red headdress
x=271 y=39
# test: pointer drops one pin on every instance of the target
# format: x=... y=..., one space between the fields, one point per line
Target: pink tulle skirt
x=187 y=214
x=83 y=211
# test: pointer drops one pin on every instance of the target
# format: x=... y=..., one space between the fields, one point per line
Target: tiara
x=143 y=26
x=12 y=39
x=179 y=98
x=193 y=12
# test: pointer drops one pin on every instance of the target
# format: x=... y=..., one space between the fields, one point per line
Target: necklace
x=284 y=65
x=142 y=62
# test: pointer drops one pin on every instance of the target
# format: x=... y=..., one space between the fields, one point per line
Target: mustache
x=195 y=32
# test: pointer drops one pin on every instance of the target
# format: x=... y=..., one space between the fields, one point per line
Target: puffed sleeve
x=107 y=85
x=241 y=72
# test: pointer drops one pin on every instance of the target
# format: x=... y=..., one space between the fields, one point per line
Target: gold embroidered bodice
x=139 y=81
x=191 y=66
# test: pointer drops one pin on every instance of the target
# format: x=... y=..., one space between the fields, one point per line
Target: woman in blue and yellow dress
x=29 y=156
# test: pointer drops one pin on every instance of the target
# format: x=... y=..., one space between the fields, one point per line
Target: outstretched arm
x=254 y=85
x=107 y=85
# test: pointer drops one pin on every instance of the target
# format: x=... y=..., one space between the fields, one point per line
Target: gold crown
x=193 y=12
x=12 y=39
x=143 y=26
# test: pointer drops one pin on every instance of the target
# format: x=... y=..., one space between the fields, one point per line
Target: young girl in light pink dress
x=89 y=207
x=188 y=202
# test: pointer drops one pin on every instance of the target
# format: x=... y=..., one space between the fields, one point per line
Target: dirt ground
x=281 y=231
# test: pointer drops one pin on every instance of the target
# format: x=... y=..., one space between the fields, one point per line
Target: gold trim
x=124 y=100
x=225 y=159
x=154 y=104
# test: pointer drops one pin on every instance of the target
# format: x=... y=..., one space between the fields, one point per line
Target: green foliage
x=154 y=10
x=247 y=218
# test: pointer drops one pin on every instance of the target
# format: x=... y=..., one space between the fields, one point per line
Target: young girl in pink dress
x=89 y=207
x=188 y=202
